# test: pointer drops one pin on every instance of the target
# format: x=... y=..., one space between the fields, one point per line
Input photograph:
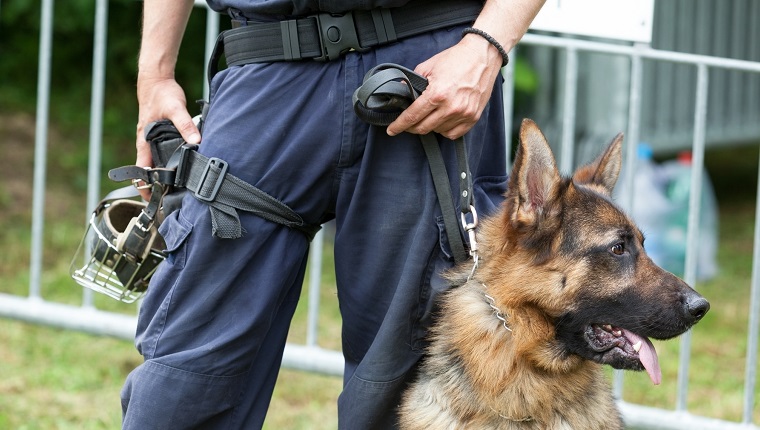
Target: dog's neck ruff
x=519 y=420
x=501 y=316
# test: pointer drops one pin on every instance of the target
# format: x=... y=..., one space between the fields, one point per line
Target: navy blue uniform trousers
x=214 y=322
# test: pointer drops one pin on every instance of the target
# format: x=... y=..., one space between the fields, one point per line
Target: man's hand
x=461 y=80
x=161 y=99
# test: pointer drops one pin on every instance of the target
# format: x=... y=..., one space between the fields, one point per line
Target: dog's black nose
x=696 y=307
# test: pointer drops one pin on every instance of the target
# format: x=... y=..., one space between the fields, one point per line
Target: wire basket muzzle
x=101 y=262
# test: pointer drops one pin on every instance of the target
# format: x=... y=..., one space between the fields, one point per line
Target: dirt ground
x=17 y=131
x=17 y=161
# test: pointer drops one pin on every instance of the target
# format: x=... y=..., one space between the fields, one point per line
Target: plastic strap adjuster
x=222 y=166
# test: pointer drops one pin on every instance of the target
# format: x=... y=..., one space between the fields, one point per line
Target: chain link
x=496 y=311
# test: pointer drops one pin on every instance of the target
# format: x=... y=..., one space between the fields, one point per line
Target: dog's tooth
x=607 y=327
x=637 y=346
x=617 y=333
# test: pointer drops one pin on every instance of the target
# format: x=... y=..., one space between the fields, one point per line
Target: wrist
x=493 y=44
x=151 y=77
x=155 y=69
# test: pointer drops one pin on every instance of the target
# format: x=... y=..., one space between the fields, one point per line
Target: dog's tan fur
x=478 y=374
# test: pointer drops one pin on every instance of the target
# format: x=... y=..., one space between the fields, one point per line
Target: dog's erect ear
x=535 y=177
x=603 y=171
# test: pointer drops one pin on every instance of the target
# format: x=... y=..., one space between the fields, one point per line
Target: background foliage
x=73 y=40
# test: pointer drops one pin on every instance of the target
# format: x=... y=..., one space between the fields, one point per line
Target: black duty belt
x=326 y=36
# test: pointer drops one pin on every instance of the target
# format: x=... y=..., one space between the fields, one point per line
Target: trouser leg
x=214 y=322
x=391 y=249
x=202 y=328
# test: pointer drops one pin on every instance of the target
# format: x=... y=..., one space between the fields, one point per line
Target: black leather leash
x=387 y=90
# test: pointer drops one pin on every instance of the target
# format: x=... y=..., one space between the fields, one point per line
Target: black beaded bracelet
x=491 y=40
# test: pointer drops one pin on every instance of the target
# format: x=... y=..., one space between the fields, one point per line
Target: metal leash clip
x=470 y=227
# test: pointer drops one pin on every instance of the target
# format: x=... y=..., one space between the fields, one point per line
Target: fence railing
x=310 y=356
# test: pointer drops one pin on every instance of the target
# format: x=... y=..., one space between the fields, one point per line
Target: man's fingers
x=187 y=128
x=412 y=118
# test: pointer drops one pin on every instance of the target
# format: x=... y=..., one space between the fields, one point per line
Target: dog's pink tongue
x=647 y=356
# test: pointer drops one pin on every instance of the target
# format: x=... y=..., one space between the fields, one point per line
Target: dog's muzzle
x=117 y=254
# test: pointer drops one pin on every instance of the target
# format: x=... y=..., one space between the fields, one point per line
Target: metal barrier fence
x=310 y=356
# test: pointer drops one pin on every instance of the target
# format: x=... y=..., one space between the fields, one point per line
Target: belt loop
x=216 y=55
x=291 y=49
x=386 y=31
x=238 y=18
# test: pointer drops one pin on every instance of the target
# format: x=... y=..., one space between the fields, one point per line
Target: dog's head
x=586 y=267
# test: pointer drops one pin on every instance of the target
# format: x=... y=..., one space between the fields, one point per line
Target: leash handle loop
x=387 y=90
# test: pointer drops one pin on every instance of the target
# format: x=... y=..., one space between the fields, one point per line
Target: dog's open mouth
x=624 y=349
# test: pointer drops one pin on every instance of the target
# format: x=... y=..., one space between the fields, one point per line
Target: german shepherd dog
x=564 y=285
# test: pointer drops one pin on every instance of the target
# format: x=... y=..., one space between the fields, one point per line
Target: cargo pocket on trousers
x=175 y=230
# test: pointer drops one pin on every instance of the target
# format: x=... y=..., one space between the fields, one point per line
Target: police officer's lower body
x=214 y=322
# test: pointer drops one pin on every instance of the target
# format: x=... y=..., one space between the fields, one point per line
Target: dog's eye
x=618 y=249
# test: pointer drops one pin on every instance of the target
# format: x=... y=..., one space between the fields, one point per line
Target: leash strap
x=387 y=90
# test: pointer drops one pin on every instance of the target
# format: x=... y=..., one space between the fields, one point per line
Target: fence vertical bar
x=96 y=118
x=212 y=30
x=692 y=230
x=750 y=372
x=40 y=146
x=568 y=110
x=315 y=281
x=634 y=123
x=632 y=141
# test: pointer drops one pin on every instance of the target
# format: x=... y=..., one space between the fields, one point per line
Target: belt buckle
x=337 y=35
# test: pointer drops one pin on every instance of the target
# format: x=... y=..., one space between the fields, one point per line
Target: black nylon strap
x=386 y=91
x=224 y=193
x=235 y=194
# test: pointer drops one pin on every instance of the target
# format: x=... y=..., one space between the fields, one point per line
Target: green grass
x=55 y=379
